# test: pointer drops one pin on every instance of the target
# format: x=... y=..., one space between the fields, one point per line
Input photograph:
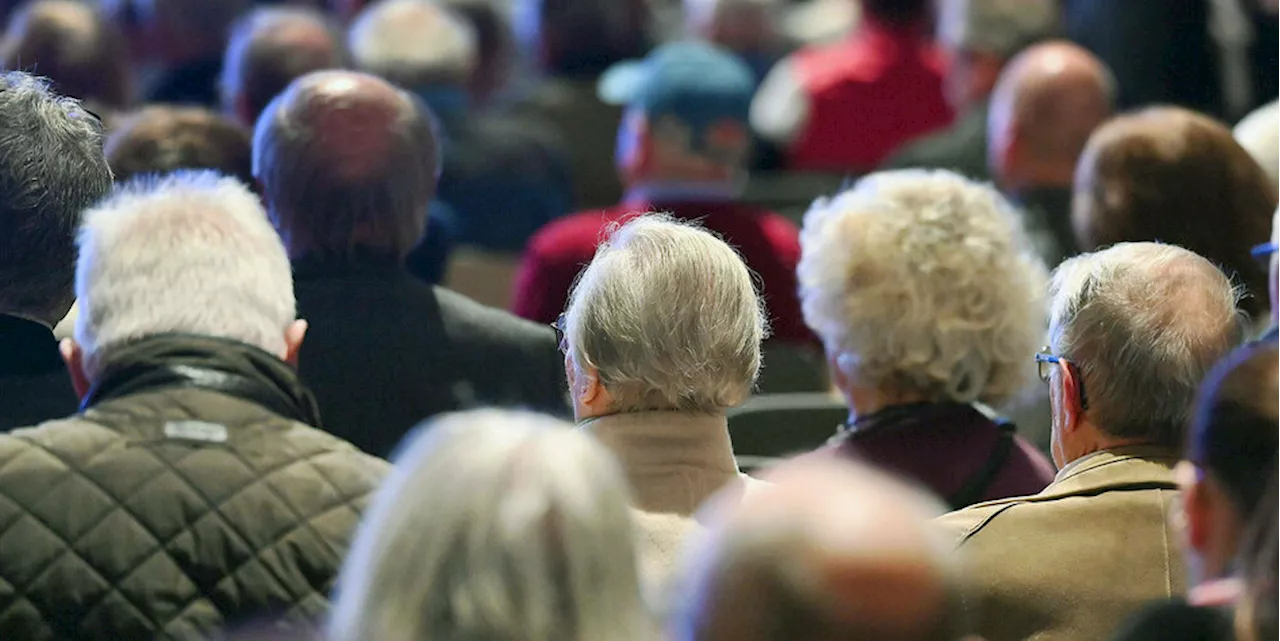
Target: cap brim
x=621 y=83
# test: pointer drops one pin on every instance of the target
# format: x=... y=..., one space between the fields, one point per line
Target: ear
x=1196 y=511
x=1073 y=412
x=293 y=336
x=73 y=356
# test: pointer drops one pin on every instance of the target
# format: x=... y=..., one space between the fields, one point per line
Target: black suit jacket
x=385 y=351
x=34 y=384
x=961 y=148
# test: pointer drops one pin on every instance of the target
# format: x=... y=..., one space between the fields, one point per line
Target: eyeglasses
x=1046 y=359
x=561 y=341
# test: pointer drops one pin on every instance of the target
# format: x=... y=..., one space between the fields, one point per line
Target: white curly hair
x=924 y=282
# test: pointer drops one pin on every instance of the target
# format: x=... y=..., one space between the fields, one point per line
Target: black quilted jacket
x=172 y=511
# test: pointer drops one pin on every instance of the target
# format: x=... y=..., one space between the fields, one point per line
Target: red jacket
x=768 y=242
x=867 y=95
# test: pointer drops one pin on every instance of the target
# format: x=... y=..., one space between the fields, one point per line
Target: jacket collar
x=359 y=264
x=1141 y=466
x=28 y=347
x=182 y=361
x=674 y=461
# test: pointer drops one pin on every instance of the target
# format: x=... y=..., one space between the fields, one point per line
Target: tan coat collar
x=674 y=461
x=1107 y=469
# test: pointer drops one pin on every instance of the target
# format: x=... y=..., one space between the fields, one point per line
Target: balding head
x=1175 y=176
x=1047 y=102
x=830 y=551
x=74 y=46
x=348 y=164
x=414 y=44
x=269 y=48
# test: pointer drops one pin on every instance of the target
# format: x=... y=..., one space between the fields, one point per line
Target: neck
x=865 y=401
x=1088 y=439
x=1044 y=177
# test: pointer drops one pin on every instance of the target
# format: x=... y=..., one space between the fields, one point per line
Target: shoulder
x=961 y=526
x=571 y=237
x=467 y=319
x=63 y=441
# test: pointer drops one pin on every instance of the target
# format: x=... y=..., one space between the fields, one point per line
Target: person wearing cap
x=681 y=150
x=844 y=107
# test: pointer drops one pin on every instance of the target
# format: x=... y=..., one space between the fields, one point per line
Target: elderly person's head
x=74 y=45
x=1133 y=330
x=51 y=169
x=163 y=139
x=1259 y=134
x=664 y=318
x=190 y=253
x=494 y=525
x=582 y=38
x=749 y=28
x=416 y=44
x=348 y=164
x=1230 y=453
x=980 y=36
x=923 y=288
x=829 y=551
x=268 y=49
x=1171 y=175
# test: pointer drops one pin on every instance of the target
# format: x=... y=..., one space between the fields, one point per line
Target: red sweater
x=768 y=242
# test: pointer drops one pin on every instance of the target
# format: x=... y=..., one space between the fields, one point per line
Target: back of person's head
x=51 y=169
x=416 y=44
x=742 y=26
x=582 y=38
x=495 y=45
x=1259 y=134
x=1048 y=101
x=666 y=317
x=901 y=13
x=494 y=525
x=74 y=45
x=163 y=139
x=189 y=253
x=270 y=47
x=348 y=164
x=1143 y=323
x=1171 y=175
x=186 y=29
x=829 y=551
x=982 y=35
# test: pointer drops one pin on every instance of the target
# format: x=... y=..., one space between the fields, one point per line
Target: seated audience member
x=495 y=525
x=748 y=28
x=161 y=140
x=495 y=48
x=978 y=38
x=927 y=296
x=1075 y=560
x=662 y=335
x=347 y=164
x=826 y=107
x=80 y=51
x=1259 y=134
x=184 y=497
x=269 y=47
x=184 y=40
x=826 y=552
x=1230 y=458
x=1048 y=100
x=573 y=42
x=502 y=178
x=1170 y=175
x=41 y=199
x=681 y=150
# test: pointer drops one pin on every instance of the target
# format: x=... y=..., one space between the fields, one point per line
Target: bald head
x=1047 y=102
x=348 y=165
x=269 y=48
x=831 y=551
x=73 y=45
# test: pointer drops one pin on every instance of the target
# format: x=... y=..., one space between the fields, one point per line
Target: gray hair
x=998 y=27
x=1144 y=323
x=51 y=168
x=924 y=281
x=669 y=316
x=269 y=48
x=495 y=525
x=331 y=168
x=190 y=253
x=413 y=43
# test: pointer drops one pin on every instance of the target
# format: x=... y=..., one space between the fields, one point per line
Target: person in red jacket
x=681 y=150
x=845 y=107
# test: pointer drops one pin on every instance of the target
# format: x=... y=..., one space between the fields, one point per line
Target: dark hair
x=1172 y=175
x=495 y=43
x=160 y=140
x=49 y=37
x=1233 y=431
x=1257 y=614
x=51 y=170
x=585 y=37
x=898 y=12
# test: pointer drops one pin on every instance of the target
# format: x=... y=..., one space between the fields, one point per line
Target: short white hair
x=1259 y=134
x=192 y=253
x=1144 y=323
x=669 y=316
x=413 y=43
x=495 y=525
x=998 y=27
x=924 y=281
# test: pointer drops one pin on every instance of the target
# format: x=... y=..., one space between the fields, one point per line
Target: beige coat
x=674 y=462
x=1075 y=560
